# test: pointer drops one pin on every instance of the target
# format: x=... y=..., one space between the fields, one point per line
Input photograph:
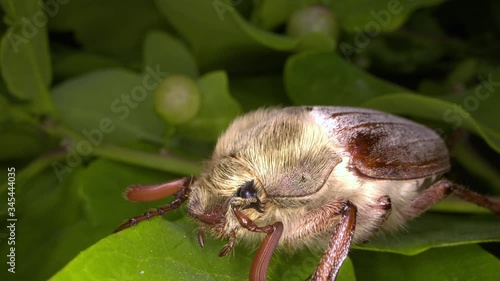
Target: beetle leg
x=443 y=188
x=260 y=263
x=229 y=247
x=382 y=210
x=384 y=207
x=201 y=237
x=338 y=247
x=180 y=197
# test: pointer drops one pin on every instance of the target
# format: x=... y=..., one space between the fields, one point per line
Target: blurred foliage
x=78 y=122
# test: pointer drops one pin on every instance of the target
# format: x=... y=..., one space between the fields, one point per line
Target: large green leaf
x=101 y=208
x=439 y=230
x=113 y=106
x=24 y=54
x=155 y=250
x=253 y=92
x=69 y=64
x=104 y=202
x=480 y=102
x=324 y=78
x=468 y=263
x=159 y=250
x=169 y=53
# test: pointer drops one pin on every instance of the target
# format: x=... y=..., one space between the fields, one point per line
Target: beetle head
x=224 y=184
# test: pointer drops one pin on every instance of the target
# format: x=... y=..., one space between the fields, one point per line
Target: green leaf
x=217 y=109
x=162 y=249
x=114 y=106
x=253 y=92
x=68 y=64
x=481 y=102
x=24 y=54
x=186 y=261
x=438 y=230
x=463 y=72
x=102 y=194
x=202 y=21
x=324 y=78
x=107 y=27
x=468 y=262
x=454 y=204
x=171 y=54
x=169 y=249
x=100 y=205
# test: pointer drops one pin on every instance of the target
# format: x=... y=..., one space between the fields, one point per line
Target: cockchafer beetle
x=312 y=176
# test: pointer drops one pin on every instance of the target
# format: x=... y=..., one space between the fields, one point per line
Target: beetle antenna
x=146 y=193
x=180 y=197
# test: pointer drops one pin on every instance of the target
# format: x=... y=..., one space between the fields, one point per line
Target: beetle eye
x=247 y=190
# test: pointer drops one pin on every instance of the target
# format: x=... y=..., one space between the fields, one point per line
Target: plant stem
x=149 y=160
x=134 y=157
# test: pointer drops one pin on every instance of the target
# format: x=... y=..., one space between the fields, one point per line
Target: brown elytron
x=312 y=177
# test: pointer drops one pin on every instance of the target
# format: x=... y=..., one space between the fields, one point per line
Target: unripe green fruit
x=317 y=18
x=177 y=99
